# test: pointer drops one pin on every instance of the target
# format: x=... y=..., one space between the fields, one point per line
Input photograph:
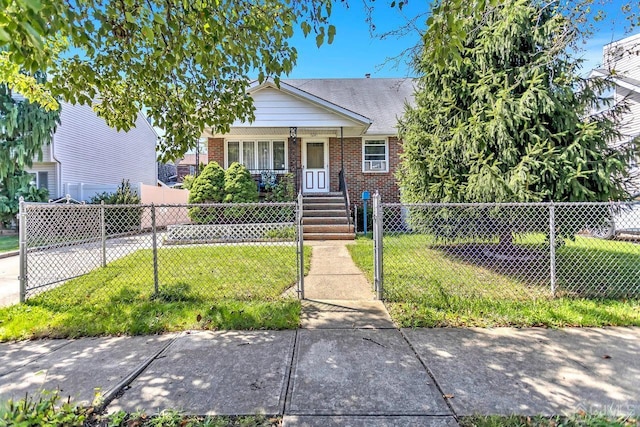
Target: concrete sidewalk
x=334 y=376
x=347 y=365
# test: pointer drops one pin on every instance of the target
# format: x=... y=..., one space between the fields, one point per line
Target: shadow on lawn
x=582 y=272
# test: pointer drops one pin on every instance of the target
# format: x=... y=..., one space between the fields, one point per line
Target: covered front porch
x=315 y=157
x=293 y=131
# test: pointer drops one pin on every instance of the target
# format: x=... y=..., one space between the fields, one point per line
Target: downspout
x=58 y=168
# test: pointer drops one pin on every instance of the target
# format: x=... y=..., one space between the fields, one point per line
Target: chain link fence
x=71 y=252
x=441 y=252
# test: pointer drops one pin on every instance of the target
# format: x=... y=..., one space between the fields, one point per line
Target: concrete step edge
x=329 y=236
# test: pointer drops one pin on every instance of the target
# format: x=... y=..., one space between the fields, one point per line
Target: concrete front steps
x=324 y=217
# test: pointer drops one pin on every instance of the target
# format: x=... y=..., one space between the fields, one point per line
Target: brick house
x=318 y=128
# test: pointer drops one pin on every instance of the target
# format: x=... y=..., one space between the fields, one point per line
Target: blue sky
x=354 y=52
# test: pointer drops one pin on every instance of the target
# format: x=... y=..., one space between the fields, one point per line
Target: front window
x=375 y=155
x=257 y=155
x=233 y=152
x=39 y=179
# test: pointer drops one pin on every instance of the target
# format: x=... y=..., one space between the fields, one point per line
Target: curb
x=9 y=254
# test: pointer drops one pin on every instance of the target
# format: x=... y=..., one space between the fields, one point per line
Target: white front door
x=315 y=169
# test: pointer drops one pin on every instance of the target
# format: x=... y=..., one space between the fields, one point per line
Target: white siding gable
x=623 y=57
x=275 y=108
x=89 y=151
x=630 y=124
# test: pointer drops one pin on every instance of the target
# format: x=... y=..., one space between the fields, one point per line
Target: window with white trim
x=258 y=155
x=40 y=179
x=375 y=155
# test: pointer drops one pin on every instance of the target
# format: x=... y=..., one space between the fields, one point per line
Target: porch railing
x=345 y=191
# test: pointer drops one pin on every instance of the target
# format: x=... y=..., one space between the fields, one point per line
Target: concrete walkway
x=333 y=274
x=337 y=294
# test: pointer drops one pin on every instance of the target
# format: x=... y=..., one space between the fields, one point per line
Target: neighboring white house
x=621 y=63
x=87 y=157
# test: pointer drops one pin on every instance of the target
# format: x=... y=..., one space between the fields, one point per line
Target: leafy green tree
x=187 y=63
x=239 y=186
x=25 y=128
x=501 y=113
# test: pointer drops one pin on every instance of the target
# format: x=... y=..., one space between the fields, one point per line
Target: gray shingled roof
x=381 y=100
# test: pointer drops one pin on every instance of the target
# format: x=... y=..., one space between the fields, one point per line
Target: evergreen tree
x=502 y=114
x=25 y=128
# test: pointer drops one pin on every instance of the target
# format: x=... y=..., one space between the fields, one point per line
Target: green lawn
x=8 y=243
x=431 y=285
x=221 y=287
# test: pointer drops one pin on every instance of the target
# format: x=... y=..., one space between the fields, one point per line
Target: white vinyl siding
x=630 y=124
x=257 y=155
x=277 y=109
x=91 y=152
x=623 y=57
x=375 y=155
x=45 y=176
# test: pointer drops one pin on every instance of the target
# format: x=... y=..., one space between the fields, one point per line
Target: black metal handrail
x=345 y=191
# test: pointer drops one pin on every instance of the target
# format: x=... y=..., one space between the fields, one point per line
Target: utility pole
x=198 y=157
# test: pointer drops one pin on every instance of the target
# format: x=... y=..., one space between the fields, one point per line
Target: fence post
x=552 y=247
x=22 y=224
x=300 y=249
x=154 y=238
x=103 y=231
x=377 y=246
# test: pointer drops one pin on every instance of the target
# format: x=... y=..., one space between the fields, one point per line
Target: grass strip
x=8 y=243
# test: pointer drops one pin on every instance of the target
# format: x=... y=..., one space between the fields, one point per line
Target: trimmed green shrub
x=209 y=186
x=187 y=181
x=239 y=186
